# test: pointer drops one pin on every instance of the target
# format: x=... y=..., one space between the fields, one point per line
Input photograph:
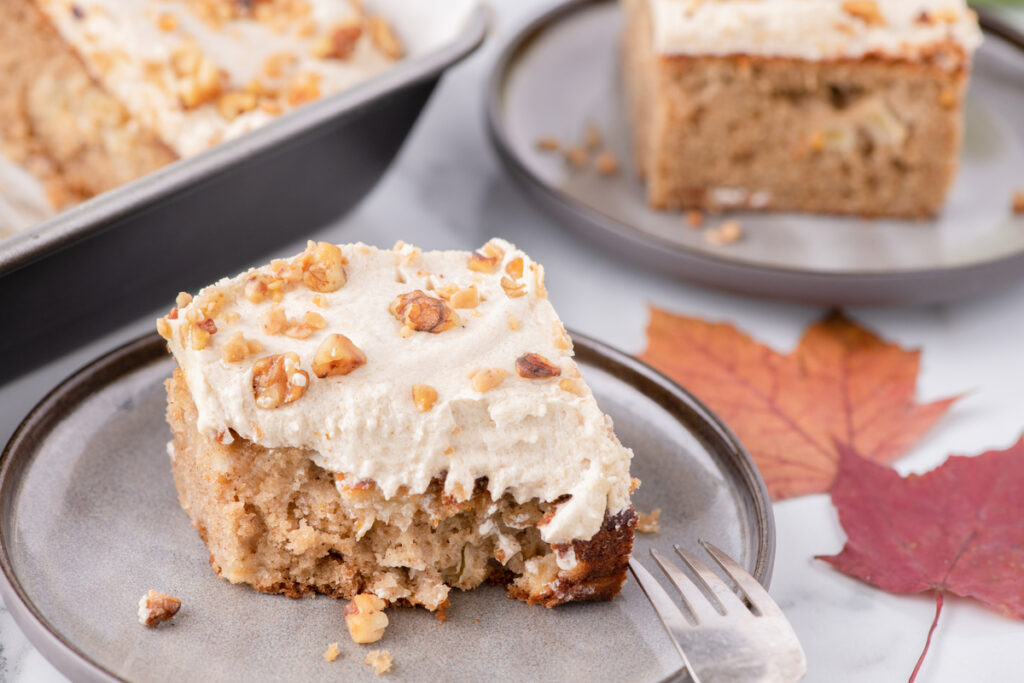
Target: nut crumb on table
x=548 y=144
x=694 y=218
x=380 y=660
x=365 y=618
x=1018 y=201
x=728 y=232
x=647 y=523
x=332 y=652
x=155 y=607
x=607 y=164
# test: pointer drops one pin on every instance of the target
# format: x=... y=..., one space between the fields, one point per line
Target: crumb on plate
x=155 y=607
x=380 y=660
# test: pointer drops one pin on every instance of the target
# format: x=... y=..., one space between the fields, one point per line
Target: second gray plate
x=561 y=72
x=89 y=521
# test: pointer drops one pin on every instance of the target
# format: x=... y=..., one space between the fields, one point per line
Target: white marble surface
x=447 y=190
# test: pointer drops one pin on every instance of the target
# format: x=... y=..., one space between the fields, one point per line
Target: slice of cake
x=833 y=106
x=394 y=422
x=98 y=93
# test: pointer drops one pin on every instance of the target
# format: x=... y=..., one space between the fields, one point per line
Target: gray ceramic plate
x=89 y=521
x=562 y=71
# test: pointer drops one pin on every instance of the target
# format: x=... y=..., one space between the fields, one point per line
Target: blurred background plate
x=89 y=521
x=976 y=245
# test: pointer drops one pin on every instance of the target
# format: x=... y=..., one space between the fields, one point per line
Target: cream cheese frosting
x=147 y=54
x=485 y=413
x=813 y=29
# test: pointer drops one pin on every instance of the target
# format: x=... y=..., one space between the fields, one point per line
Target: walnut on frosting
x=536 y=366
x=424 y=396
x=277 y=380
x=488 y=378
x=337 y=356
x=323 y=267
x=423 y=313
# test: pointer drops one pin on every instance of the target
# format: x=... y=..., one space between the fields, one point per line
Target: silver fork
x=724 y=640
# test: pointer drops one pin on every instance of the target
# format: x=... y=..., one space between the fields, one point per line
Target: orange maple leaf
x=841 y=386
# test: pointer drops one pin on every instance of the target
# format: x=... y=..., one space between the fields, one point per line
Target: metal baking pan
x=94 y=267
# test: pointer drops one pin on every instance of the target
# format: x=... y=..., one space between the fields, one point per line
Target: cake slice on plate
x=395 y=422
x=833 y=106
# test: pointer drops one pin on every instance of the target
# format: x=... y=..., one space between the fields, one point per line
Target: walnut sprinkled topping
x=323 y=268
x=482 y=264
x=275 y=65
x=167 y=22
x=513 y=288
x=163 y=328
x=338 y=42
x=487 y=379
x=865 y=10
x=155 y=607
x=515 y=268
x=256 y=288
x=183 y=300
x=536 y=366
x=465 y=298
x=198 y=333
x=199 y=79
x=365 y=618
x=573 y=386
x=424 y=396
x=538 y=281
x=513 y=323
x=277 y=380
x=337 y=356
x=562 y=340
x=302 y=88
x=384 y=37
x=423 y=313
x=238 y=348
x=233 y=104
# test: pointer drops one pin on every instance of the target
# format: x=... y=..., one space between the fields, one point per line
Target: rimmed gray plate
x=89 y=521
x=561 y=71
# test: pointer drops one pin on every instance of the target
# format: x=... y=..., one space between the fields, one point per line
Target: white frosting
x=123 y=46
x=529 y=437
x=810 y=29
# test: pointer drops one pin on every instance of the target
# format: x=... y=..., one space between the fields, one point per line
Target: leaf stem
x=927 y=643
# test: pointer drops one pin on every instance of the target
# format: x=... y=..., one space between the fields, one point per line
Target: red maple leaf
x=957 y=529
x=841 y=384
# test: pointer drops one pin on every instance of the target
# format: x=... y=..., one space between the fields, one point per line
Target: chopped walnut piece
x=277 y=380
x=515 y=268
x=592 y=137
x=538 y=281
x=607 y=164
x=634 y=484
x=302 y=88
x=337 y=356
x=1018 y=202
x=573 y=386
x=275 y=65
x=424 y=396
x=548 y=144
x=183 y=299
x=384 y=37
x=482 y=264
x=513 y=323
x=380 y=660
x=323 y=267
x=694 y=218
x=423 y=313
x=167 y=22
x=199 y=333
x=562 y=340
x=274 y=320
x=256 y=288
x=865 y=10
x=577 y=157
x=332 y=652
x=238 y=348
x=155 y=607
x=338 y=42
x=365 y=618
x=513 y=288
x=487 y=379
x=199 y=79
x=648 y=523
x=163 y=328
x=728 y=232
x=465 y=298
x=947 y=98
x=233 y=104
x=536 y=366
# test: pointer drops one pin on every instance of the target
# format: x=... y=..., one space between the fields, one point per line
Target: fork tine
x=698 y=604
x=754 y=591
x=671 y=618
x=720 y=589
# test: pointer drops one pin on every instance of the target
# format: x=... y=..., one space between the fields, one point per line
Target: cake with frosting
x=835 y=106
x=395 y=422
x=98 y=93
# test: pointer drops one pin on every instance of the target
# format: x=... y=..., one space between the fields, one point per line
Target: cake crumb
x=441 y=613
x=1018 y=202
x=607 y=164
x=694 y=218
x=332 y=652
x=155 y=607
x=380 y=660
x=648 y=523
x=578 y=157
x=548 y=144
x=593 y=140
x=728 y=232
